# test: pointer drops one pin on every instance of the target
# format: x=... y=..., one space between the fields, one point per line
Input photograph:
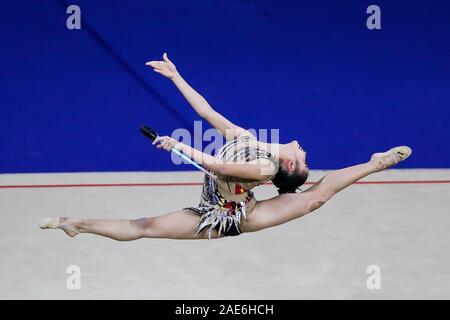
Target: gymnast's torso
x=226 y=200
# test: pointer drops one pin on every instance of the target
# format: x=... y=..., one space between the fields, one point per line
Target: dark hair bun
x=288 y=182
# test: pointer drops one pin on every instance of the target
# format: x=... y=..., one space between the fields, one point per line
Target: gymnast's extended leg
x=175 y=225
x=286 y=207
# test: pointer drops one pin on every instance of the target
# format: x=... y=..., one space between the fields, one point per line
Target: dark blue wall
x=310 y=68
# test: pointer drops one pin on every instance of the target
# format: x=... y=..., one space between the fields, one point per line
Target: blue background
x=310 y=68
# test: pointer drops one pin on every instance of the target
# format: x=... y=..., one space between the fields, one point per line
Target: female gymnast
x=227 y=205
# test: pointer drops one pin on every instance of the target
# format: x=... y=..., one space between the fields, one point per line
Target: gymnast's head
x=293 y=169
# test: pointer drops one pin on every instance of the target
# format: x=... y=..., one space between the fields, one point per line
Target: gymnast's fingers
x=155 y=141
x=166 y=58
x=151 y=63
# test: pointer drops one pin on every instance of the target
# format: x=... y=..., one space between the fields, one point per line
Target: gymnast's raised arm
x=228 y=129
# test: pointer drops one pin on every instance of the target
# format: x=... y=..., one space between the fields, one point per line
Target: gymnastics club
x=152 y=135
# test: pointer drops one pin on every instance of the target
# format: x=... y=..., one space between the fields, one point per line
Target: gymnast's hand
x=165 y=142
x=166 y=67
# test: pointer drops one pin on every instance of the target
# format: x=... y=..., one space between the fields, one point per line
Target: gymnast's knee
x=319 y=198
x=144 y=226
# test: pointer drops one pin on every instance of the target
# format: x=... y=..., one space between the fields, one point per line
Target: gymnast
x=227 y=205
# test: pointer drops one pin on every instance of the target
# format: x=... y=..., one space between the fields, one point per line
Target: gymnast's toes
x=49 y=223
x=58 y=223
x=391 y=157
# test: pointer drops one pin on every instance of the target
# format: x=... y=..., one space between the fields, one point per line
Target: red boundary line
x=173 y=184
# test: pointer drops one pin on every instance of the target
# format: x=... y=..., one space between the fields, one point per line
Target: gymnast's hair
x=289 y=182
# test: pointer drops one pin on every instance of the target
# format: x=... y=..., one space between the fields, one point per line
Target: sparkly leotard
x=226 y=200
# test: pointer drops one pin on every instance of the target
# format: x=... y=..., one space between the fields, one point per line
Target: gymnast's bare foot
x=391 y=157
x=59 y=223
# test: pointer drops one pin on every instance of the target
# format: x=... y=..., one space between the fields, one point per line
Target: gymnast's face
x=300 y=157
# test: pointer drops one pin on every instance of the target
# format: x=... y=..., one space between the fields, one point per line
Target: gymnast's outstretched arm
x=228 y=129
x=258 y=169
